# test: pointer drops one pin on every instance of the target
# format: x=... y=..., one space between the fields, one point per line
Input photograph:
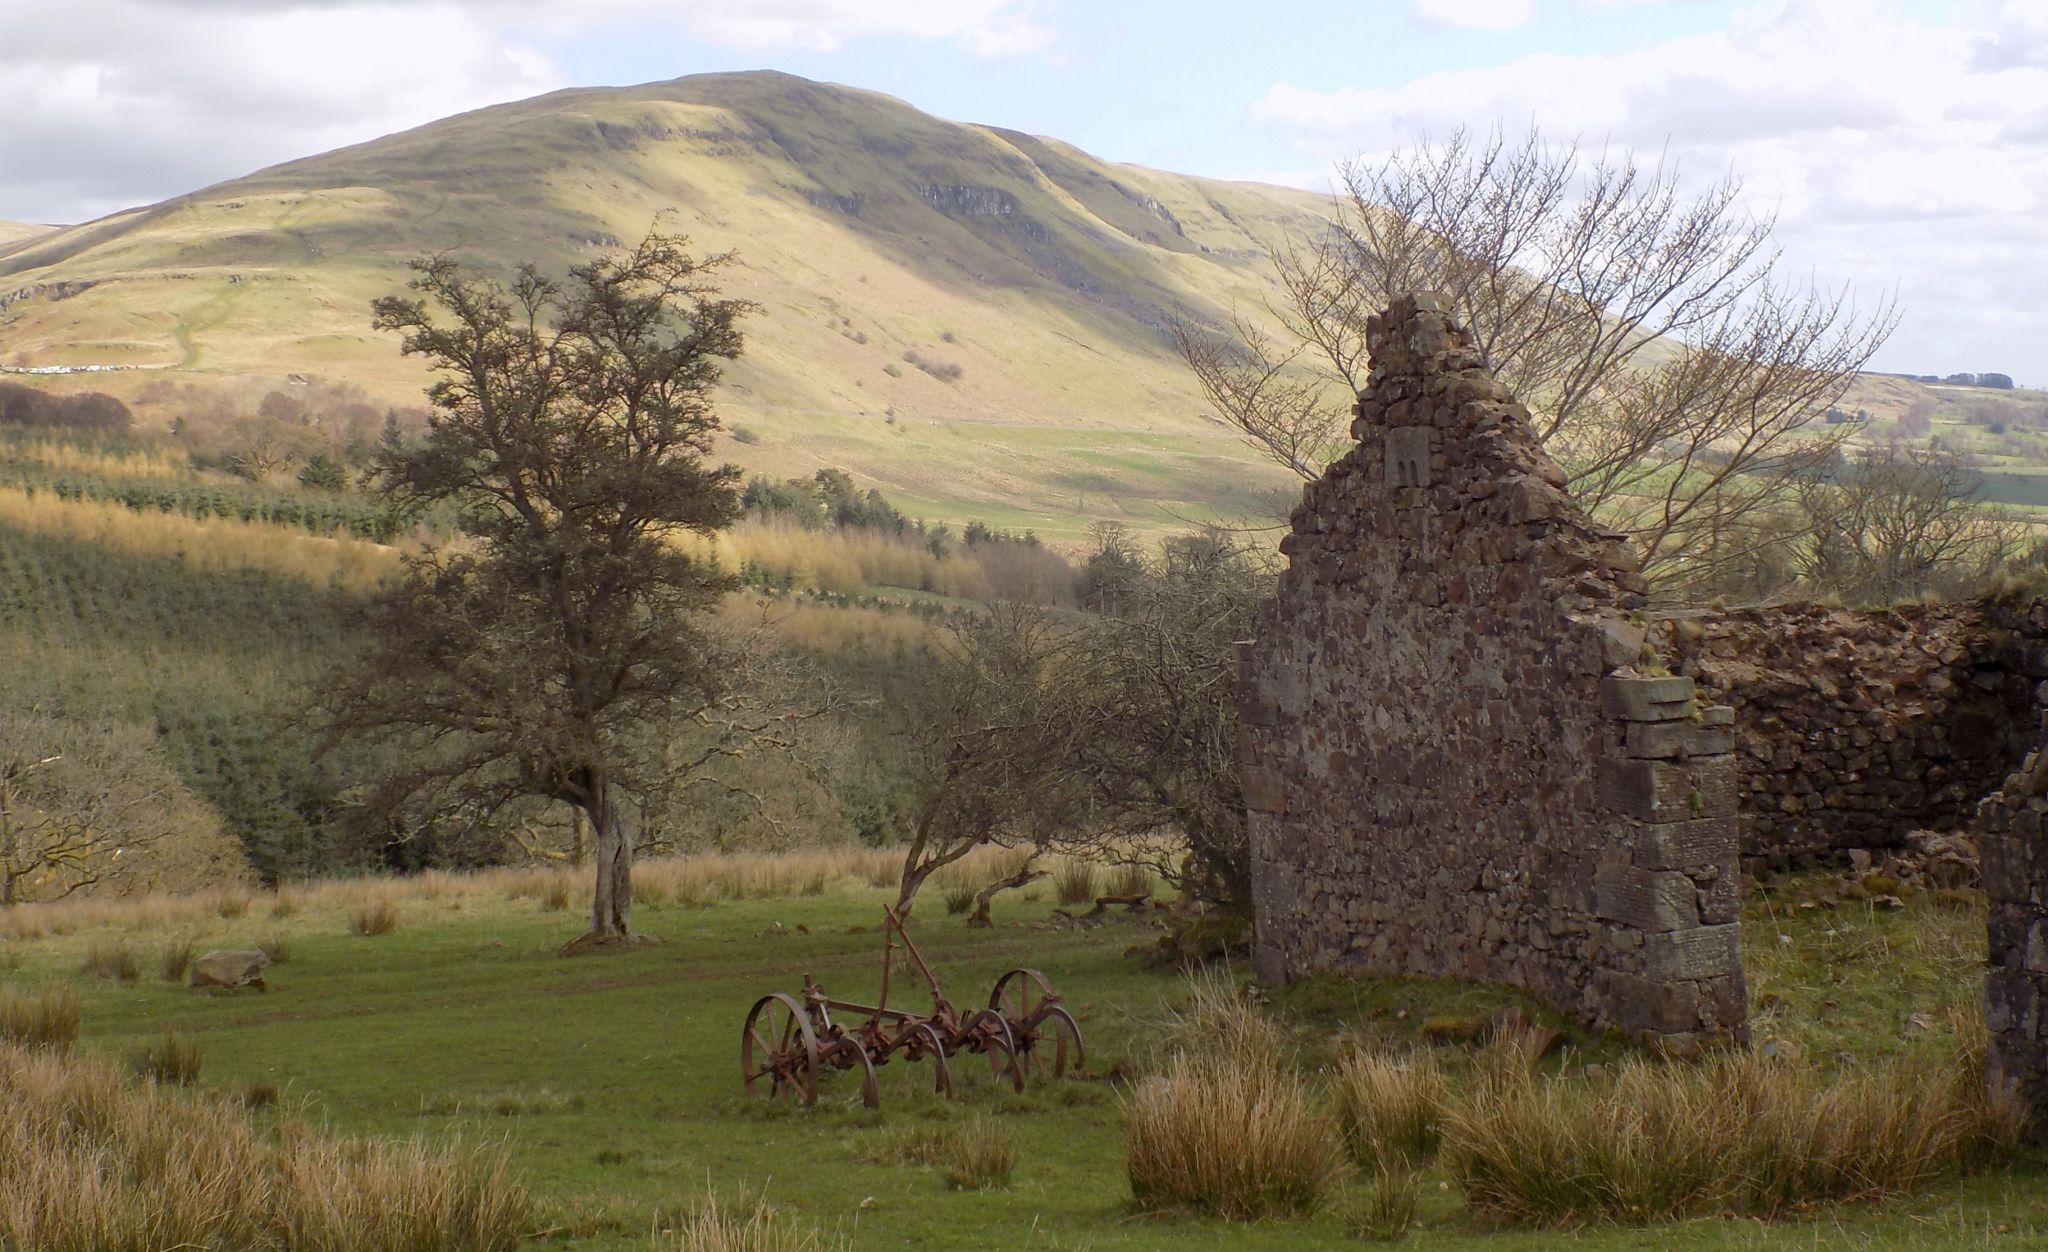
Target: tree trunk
x=1021 y=878
x=611 y=903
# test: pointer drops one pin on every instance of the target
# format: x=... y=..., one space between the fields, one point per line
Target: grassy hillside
x=21 y=232
x=1029 y=281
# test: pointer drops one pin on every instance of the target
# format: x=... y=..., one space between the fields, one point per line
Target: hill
x=21 y=232
x=971 y=318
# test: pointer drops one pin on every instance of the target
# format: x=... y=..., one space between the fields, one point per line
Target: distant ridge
x=910 y=271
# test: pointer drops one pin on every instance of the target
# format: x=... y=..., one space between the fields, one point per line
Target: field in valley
x=611 y=1083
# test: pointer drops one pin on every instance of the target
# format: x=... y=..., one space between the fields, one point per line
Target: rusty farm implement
x=788 y=1042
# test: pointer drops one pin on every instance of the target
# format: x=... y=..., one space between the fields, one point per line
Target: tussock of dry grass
x=1230 y=1128
x=1738 y=1133
x=378 y=916
x=977 y=1154
x=981 y=1155
x=713 y=1227
x=176 y=959
x=45 y=1017
x=1076 y=882
x=1126 y=881
x=97 y=1164
x=1389 y=1110
x=114 y=961
x=169 y=1058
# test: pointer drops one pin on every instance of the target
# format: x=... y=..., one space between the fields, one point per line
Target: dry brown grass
x=46 y=1017
x=846 y=562
x=211 y=543
x=99 y=1164
x=1076 y=881
x=169 y=1058
x=113 y=960
x=977 y=1153
x=980 y=1155
x=176 y=959
x=375 y=916
x=711 y=1226
x=1738 y=1133
x=1389 y=1110
x=1230 y=1128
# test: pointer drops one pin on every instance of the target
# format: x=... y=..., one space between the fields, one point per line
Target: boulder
x=231 y=968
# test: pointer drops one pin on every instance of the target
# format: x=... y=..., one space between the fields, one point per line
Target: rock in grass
x=230 y=968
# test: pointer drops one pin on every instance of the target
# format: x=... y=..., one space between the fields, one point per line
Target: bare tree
x=86 y=806
x=992 y=755
x=1155 y=685
x=1666 y=360
x=1897 y=521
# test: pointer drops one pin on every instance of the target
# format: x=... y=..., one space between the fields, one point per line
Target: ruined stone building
x=1453 y=764
x=1471 y=751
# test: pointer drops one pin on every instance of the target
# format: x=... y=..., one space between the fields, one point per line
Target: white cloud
x=113 y=103
x=1894 y=151
x=1477 y=14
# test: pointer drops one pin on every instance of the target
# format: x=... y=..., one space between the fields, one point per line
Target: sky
x=1900 y=145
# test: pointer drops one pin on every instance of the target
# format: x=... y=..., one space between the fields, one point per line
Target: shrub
x=169 y=1058
x=711 y=1227
x=176 y=959
x=233 y=904
x=46 y=1017
x=115 y=962
x=1389 y=1111
x=374 y=917
x=277 y=946
x=959 y=899
x=1075 y=882
x=944 y=371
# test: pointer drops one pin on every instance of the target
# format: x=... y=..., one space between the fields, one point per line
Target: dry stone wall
x=2012 y=836
x=1452 y=765
x=1855 y=728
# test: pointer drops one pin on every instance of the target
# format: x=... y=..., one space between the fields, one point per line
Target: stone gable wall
x=2012 y=836
x=1451 y=766
x=1857 y=727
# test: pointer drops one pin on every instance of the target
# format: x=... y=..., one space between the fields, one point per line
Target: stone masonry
x=1856 y=727
x=2012 y=832
x=1453 y=766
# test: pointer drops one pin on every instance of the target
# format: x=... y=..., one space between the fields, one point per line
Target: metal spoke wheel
x=922 y=1043
x=847 y=1052
x=1046 y=1035
x=989 y=1035
x=779 y=1046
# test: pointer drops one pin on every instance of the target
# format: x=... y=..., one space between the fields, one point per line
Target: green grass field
x=612 y=1082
